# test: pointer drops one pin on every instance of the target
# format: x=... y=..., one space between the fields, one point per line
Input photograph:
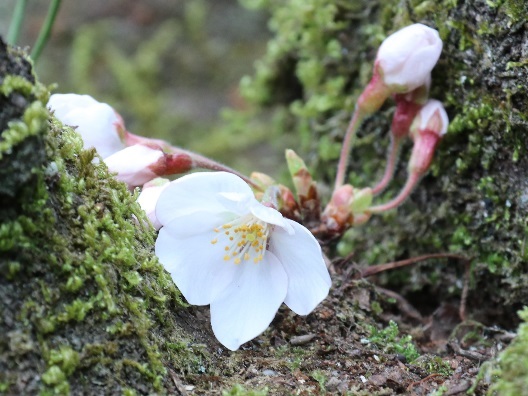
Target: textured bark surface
x=86 y=307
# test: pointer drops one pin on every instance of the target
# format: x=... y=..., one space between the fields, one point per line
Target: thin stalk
x=45 y=30
x=199 y=161
x=206 y=163
x=392 y=158
x=350 y=134
x=411 y=183
x=16 y=22
x=376 y=269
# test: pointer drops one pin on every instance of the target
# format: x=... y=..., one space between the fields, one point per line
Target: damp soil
x=334 y=350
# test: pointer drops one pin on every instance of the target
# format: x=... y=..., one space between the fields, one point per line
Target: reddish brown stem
x=376 y=269
x=392 y=158
x=411 y=183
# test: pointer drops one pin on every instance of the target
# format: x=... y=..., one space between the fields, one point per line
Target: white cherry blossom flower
x=224 y=248
x=405 y=58
x=97 y=123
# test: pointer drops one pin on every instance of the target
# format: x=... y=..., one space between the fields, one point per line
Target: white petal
x=301 y=257
x=97 y=123
x=197 y=223
x=196 y=192
x=247 y=306
x=236 y=202
x=270 y=216
x=62 y=104
x=196 y=266
x=147 y=200
x=132 y=164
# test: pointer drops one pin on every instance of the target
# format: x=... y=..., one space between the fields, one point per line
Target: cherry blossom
x=224 y=248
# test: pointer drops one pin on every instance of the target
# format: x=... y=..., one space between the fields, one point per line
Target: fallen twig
x=376 y=269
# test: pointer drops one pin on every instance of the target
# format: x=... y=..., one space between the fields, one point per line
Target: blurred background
x=170 y=68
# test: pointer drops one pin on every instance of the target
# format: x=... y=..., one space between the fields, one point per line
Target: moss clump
x=390 y=341
x=239 y=390
x=511 y=374
x=86 y=306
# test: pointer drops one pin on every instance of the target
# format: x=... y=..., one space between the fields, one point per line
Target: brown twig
x=404 y=305
x=375 y=269
x=413 y=384
x=469 y=354
x=465 y=291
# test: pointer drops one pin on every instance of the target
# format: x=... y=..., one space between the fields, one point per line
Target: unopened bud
x=302 y=179
x=337 y=215
x=287 y=204
x=407 y=106
x=262 y=180
x=429 y=126
x=138 y=164
x=405 y=58
x=133 y=164
x=361 y=200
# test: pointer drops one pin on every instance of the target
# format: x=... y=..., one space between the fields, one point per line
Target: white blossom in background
x=97 y=123
x=406 y=58
x=149 y=197
x=224 y=248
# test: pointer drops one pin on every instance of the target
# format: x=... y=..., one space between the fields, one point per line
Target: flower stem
x=392 y=158
x=45 y=30
x=199 y=161
x=206 y=163
x=411 y=183
x=16 y=22
x=375 y=269
x=353 y=126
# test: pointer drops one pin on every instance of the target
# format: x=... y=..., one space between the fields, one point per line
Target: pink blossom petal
x=132 y=164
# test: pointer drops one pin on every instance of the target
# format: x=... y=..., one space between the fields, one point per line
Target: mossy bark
x=86 y=307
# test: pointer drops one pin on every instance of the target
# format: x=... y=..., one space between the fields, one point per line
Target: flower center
x=244 y=239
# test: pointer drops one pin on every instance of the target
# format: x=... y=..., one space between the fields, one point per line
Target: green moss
x=510 y=376
x=434 y=365
x=81 y=268
x=321 y=380
x=239 y=390
x=390 y=341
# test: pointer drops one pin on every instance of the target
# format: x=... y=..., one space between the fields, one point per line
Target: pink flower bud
x=134 y=165
x=97 y=123
x=407 y=106
x=140 y=163
x=337 y=215
x=405 y=58
x=149 y=197
x=428 y=127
